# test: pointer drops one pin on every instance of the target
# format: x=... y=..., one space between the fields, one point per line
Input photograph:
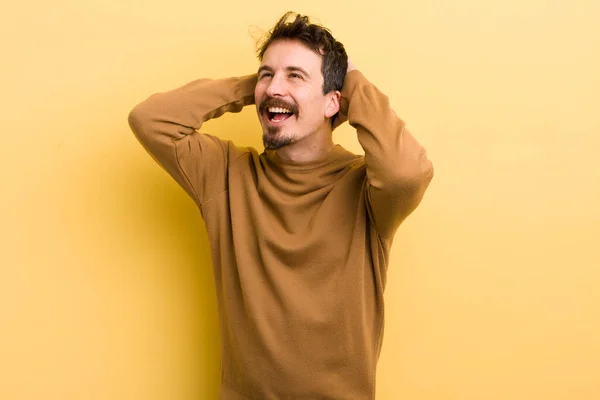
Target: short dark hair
x=317 y=38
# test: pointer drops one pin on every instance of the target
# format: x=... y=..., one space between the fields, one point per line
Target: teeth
x=279 y=110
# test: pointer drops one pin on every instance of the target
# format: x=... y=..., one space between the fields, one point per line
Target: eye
x=295 y=76
x=265 y=75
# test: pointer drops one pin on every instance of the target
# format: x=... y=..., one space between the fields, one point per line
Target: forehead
x=285 y=53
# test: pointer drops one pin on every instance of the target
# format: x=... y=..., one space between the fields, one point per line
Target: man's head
x=299 y=81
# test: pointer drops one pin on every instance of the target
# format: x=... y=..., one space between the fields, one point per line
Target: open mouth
x=277 y=115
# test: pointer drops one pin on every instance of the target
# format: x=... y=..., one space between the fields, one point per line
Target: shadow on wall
x=170 y=254
x=151 y=281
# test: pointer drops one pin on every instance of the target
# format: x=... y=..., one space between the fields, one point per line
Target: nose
x=276 y=87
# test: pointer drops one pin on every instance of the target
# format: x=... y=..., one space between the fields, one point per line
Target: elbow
x=138 y=120
x=410 y=186
x=421 y=171
x=415 y=177
x=143 y=115
x=423 y=177
x=407 y=186
x=137 y=115
x=402 y=177
x=427 y=172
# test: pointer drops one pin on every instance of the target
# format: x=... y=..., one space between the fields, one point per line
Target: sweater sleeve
x=398 y=170
x=167 y=124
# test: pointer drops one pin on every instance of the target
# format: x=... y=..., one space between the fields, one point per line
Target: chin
x=274 y=138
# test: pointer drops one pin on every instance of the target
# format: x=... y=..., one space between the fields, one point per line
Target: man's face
x=289 y=94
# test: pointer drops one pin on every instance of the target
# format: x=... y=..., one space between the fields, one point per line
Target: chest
x=299 y=222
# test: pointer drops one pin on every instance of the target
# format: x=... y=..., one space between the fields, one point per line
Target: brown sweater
x=299 y=250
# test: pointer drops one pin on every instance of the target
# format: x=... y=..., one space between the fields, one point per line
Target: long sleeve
x=398 y=170
x=167 y=124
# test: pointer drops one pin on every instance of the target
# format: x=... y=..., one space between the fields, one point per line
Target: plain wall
x=106 y=288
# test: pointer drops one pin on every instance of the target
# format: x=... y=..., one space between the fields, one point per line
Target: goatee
x=272 y=139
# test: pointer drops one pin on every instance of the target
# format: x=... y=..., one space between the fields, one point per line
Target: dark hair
x=318 y=39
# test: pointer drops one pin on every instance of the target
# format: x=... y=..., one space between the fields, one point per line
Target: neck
x=311 y=148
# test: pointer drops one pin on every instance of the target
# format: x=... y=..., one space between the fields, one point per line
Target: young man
x=300 y=234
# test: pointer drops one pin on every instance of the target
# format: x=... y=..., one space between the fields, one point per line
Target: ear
x=332 y=104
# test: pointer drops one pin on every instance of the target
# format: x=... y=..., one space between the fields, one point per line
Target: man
x=300 y=234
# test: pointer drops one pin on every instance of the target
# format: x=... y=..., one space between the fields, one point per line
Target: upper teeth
x=279 y=110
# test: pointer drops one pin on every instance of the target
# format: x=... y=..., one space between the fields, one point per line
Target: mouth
x=276 y=111
x=278 y=115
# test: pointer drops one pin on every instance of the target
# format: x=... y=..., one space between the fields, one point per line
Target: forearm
x=181 y=111
x=166 y=125
x=398 y=169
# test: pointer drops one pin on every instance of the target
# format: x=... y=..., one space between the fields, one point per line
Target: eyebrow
x=290 y=68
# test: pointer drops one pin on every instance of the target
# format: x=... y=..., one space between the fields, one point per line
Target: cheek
x=313 y=109
x=259 y=91
x=257 y=95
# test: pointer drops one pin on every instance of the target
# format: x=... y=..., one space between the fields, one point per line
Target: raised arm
x=398 y=170
x=167 y=124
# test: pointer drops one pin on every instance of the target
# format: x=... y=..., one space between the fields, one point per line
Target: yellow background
x=106 y=289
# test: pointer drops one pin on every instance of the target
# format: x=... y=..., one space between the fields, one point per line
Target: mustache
x=275 y=102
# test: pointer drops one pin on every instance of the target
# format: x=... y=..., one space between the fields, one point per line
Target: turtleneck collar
x=300 y=178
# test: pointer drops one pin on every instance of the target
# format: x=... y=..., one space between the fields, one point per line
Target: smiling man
x=300 y=233
x=294 y=103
